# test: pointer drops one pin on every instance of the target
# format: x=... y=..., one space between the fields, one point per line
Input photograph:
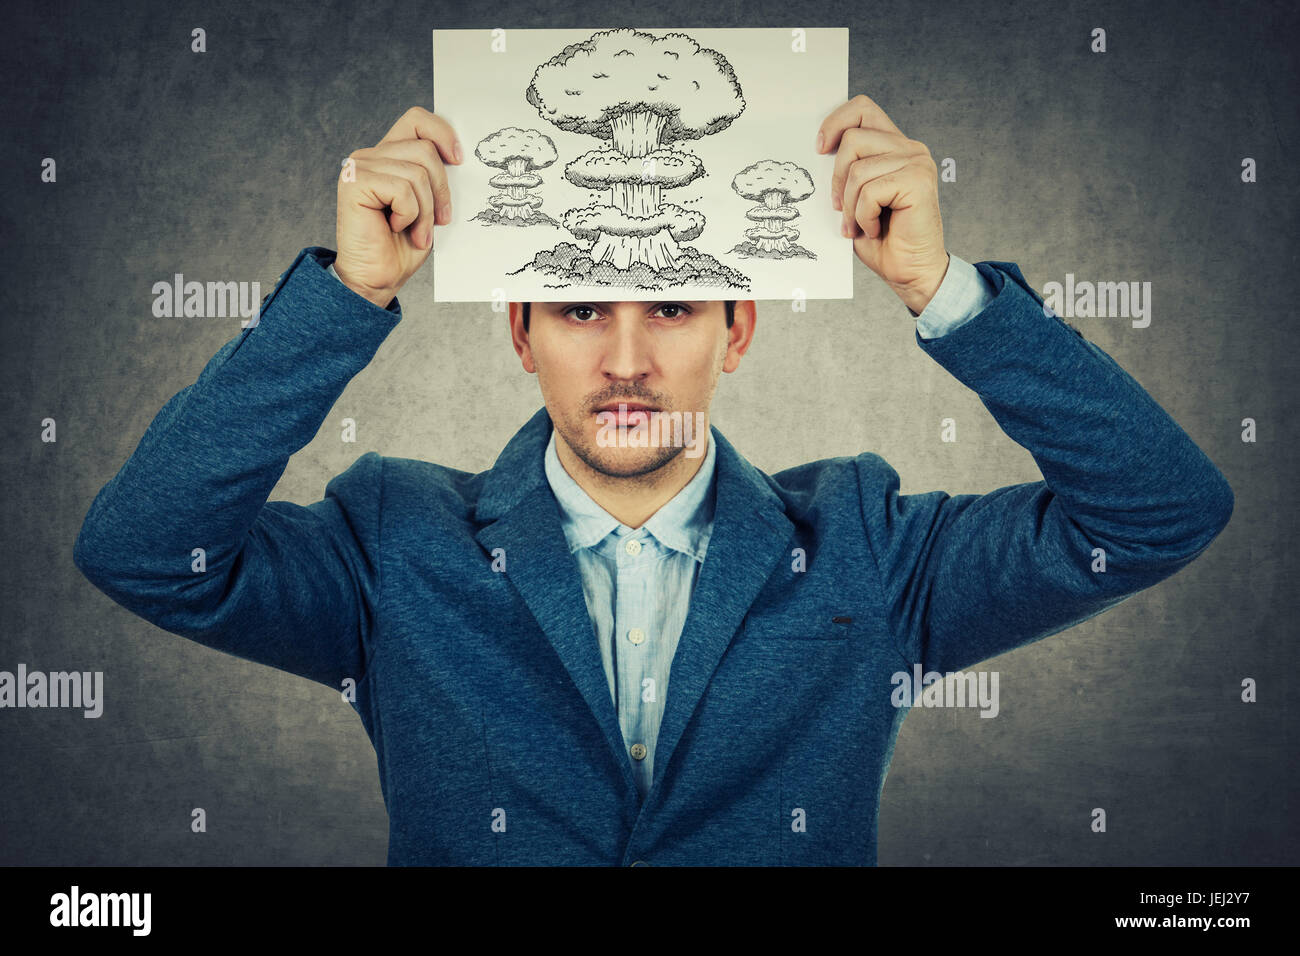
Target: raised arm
x=282 y=584
x=967 y=577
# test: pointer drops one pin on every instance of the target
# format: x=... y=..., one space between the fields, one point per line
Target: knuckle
x=417 y=174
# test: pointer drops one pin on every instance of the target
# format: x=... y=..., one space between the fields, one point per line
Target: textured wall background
x=1122 y=166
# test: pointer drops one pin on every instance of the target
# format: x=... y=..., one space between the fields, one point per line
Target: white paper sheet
x=640 y=164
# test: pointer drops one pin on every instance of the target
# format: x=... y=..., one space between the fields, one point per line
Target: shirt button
x=636 y=635
x=632 y=547
x=638 y=751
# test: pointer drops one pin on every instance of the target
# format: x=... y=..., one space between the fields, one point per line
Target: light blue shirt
x=638 y=582
x=962 y=295
x=638 y=585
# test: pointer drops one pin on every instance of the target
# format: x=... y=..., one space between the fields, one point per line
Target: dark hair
x=730 y=305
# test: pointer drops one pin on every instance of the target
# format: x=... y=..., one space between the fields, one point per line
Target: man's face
x=590 y=356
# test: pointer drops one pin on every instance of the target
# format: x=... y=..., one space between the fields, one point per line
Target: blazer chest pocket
x=805 y=628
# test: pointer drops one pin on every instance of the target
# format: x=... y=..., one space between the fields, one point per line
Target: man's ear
x=519 y=337
x=741 y=333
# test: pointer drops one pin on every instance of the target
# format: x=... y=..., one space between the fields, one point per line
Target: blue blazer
x=479 y=680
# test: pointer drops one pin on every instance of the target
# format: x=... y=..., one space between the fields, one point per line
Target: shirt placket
x=633 y=639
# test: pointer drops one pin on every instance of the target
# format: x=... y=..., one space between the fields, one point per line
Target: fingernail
x=844 y=230
x=821 y=139
x=444 y=213
x=835 y=201
x=456 y=151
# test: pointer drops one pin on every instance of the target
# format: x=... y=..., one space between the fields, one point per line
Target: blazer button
x=638 y=863
x=638 y=751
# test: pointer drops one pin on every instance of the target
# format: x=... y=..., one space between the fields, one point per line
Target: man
x=595 y=653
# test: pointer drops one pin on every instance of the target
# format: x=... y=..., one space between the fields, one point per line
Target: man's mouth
x=630 y=413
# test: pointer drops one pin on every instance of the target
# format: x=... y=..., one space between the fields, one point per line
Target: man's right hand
x=387 y=212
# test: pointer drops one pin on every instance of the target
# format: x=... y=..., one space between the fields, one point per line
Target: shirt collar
x=683 y=523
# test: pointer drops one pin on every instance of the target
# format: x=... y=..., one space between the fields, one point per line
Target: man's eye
x=583 y=314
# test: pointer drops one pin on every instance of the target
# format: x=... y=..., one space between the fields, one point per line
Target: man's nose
x=628 y=350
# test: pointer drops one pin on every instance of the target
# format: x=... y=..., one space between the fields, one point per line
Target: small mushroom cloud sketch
x=643 y=95
x=517 y=152
x=773 y=185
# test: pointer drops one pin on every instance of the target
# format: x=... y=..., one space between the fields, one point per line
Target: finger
x=424 y=154
x=419 y=123
x=415 y=175
x=382 y=190
x=858 y=174
x=862 y=144
x=886 y=192
x=860 y=111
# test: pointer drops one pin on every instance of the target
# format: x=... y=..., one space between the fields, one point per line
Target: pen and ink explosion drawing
x=773 y=185
x=517 y=152
x=643 y=95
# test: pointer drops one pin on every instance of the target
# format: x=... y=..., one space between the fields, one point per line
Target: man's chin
x=627 y=462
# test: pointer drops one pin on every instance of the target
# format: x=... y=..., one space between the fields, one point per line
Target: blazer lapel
x=522 y=517
x=750 y=536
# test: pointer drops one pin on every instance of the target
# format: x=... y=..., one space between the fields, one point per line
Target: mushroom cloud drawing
x=517 y=152
x=773 y=185
x=642 y=94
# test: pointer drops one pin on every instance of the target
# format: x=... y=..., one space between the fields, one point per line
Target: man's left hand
x=887 y=186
